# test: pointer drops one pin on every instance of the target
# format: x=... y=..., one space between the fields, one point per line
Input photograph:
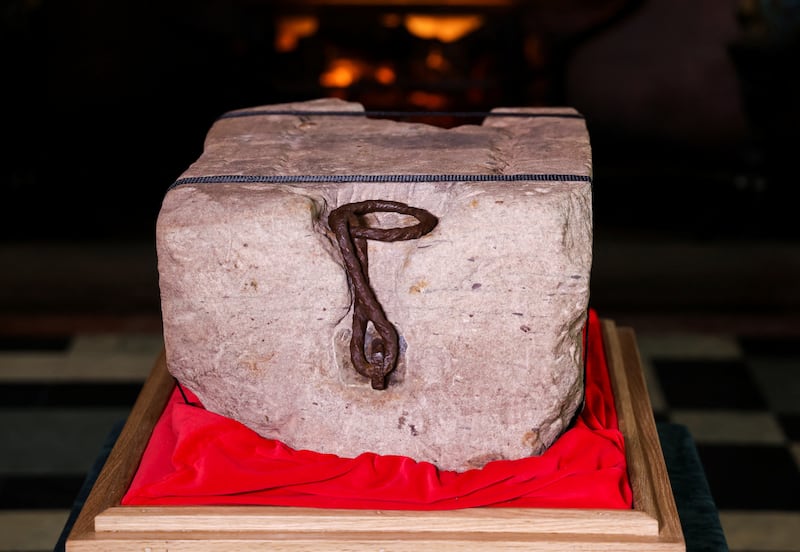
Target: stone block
x=488 y=306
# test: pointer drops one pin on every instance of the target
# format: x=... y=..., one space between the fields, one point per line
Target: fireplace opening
x=443 y=56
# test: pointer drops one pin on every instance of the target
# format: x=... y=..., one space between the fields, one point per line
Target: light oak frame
x=652 y=524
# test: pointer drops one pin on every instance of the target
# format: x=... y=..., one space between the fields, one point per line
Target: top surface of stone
x=256 y=143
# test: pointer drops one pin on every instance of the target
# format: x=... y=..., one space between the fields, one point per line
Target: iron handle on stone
x=351 y=236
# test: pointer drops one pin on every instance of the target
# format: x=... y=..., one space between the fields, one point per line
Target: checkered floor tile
x=740 y=399
x=738 y=396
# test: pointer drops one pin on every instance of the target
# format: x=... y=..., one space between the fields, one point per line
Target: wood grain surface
x=653 y=524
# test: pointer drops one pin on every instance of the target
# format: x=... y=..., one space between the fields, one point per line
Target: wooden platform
x=652 y=525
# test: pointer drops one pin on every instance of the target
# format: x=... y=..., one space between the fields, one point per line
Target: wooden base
x=652 y=525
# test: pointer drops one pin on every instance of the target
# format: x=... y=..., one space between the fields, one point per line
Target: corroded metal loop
x=351 y=236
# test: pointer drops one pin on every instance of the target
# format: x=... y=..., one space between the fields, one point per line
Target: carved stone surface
x=489 y=306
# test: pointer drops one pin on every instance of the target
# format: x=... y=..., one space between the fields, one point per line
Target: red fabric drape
x=195 y=457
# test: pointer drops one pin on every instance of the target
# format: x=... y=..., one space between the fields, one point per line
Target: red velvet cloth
x=195 y=457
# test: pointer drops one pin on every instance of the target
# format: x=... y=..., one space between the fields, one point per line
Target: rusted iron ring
x=351 y=236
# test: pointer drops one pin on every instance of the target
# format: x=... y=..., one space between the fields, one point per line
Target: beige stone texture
x=489 y=306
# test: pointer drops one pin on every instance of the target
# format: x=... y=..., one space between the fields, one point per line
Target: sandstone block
x=488 y=306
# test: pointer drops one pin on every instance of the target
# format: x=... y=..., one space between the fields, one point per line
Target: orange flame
x=435 y=60
x=444 y=28
x=341 y=73
x=290 y=29
x=428 y=100
x=385 y=75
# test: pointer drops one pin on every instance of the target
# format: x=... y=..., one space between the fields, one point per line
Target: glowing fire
x=344 y=72
x=290 y=29
x=341 y=73
x=435 y=60
x=428 y=100
x=385 y=75
x=444 y=28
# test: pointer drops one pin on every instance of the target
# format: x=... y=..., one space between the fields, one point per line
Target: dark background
x=692 y=107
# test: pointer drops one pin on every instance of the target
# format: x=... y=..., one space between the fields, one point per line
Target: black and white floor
x=740 y=399
x=59 y=399
x=60 y=396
